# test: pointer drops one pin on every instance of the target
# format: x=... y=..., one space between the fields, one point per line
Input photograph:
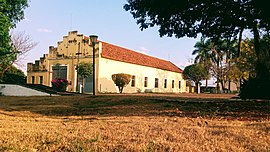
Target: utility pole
x=78 y=61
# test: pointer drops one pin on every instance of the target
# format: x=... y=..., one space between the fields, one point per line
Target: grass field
x=144 y=123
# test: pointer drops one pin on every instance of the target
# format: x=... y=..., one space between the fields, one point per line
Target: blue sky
x=47 y=21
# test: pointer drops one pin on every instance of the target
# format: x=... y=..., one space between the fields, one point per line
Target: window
x=156 y=82
x=145 y=81
x=165 y=83
x=59 y=71
x=133 y=81
x=41 y=80
x=33 y=79
x=172 y=83
x=179 y=84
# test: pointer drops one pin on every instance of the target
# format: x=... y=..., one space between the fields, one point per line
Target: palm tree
x=216 y=53
x=203 y=55
x=222 y=53
x=216 y=56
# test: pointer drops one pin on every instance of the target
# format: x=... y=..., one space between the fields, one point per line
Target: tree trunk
x=256 y=39
x=239 y=42
x=229 y=85
x=261 y=69
x=218 y=77
x=120 y=89
x=222 y=86
x=3 y=72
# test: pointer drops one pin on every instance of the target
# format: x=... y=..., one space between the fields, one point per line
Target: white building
x=149 y=74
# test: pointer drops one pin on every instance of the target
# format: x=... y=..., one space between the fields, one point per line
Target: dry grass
x=133 y=123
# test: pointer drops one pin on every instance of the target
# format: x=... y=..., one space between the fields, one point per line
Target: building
x=149 y=74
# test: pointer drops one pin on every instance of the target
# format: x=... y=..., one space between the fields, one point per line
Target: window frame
x=156 y=82
x=145 y=82
x=133 y=81
x=41 y=80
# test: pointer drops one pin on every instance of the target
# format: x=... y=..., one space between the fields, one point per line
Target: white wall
x=108 y=67
x=16 y=90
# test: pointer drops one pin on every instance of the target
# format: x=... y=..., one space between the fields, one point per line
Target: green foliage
x=265 y=52
x=255 y=88
x=202 y=52
x=11 y=12
x=85 y=69
x=13 y=76
x=195 y=73
x=218 y=58
x=256 y=85
x=216 y=18
x=121 y=80
x=244 y=66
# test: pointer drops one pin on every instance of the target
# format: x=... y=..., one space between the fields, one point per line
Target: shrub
x=60 y=84
x=255 y=88
x=85 y=70
x=121 y=80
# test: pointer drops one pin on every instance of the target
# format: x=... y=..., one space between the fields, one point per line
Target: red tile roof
x=117 y=53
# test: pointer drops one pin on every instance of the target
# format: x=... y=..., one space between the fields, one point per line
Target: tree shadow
x=138 y=105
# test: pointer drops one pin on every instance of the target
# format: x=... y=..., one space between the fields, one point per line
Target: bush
x=255 y=88
x=60 y=84
x=13 y=76
x=121 y=80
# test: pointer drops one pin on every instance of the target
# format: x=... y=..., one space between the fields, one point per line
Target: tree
x=265 y=51
x=247 y=60
x=230 y=51
x=22 y=44
x=11 y=12
x=13 y=76
x=203 y=56
x=216 y=19
x=211 y=54
x=218 y=68
x=85 y=70
x=254 y=87
x=121 y=80
x=195 y=73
